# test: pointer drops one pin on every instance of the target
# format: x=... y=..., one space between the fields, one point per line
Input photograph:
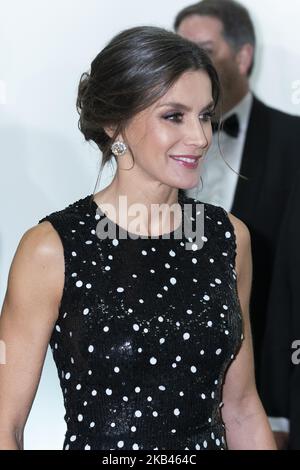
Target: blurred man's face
x=206 y=32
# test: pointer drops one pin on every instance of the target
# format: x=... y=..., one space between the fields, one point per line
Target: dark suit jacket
x=280 y=381
x=270 y=158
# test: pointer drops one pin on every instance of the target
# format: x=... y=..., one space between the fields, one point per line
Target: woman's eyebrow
x=182 y=106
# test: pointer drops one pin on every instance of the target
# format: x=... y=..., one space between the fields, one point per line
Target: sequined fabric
x=145 y=333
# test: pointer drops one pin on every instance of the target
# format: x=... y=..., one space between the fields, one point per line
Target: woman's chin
x=188 y=184
x=183 y=183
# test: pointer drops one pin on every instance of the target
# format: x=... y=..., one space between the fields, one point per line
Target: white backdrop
x=45 y=164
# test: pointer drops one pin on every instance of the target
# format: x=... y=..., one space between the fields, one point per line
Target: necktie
x=230 y=126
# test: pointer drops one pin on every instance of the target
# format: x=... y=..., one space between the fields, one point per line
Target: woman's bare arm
x=246 y=423
x=29 y=312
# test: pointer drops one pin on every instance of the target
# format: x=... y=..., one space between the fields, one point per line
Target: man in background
x=281 y=383
x=257 y=142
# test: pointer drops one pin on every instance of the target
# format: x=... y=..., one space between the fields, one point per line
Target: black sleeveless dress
x=146 y=331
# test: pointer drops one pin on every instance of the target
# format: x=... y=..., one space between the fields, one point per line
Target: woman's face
x=169 y=139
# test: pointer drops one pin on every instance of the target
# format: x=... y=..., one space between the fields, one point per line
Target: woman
x=143 y=323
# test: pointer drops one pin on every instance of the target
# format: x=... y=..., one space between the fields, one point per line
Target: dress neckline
x=126 y=234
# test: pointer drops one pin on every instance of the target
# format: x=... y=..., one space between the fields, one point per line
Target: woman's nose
x=198 y=134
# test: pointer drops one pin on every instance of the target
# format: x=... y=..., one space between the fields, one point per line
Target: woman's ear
x=110 y=130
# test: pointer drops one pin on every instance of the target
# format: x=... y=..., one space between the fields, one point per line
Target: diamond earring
x=118 y=148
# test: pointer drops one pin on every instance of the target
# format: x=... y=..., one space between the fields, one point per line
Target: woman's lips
x=188 y=161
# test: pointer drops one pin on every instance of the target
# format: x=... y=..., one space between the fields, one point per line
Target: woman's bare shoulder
x=243 y=262
x=241 y=230
x=41 y=240
x=38 y=264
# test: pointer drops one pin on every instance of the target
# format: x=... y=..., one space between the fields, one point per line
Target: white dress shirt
x=219 y=181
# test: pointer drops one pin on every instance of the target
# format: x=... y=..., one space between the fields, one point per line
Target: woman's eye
x=175 y=117
x=207 y=116
x=178 y=117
